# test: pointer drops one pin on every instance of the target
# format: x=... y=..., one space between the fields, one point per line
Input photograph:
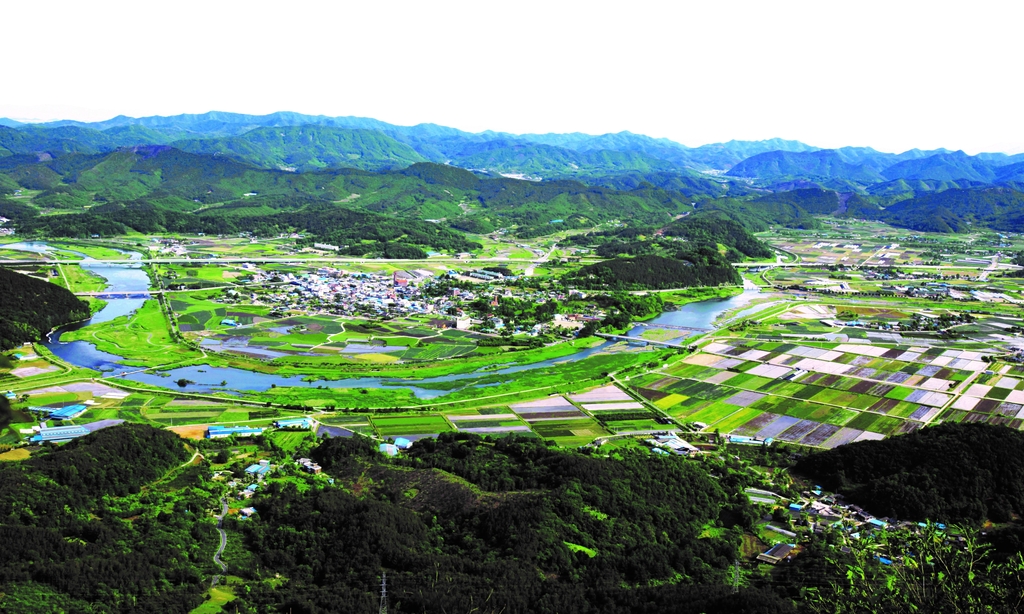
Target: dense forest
x=949 y=473
x=957 y=210
x=32 y=307
x=83 y=533
x=509 y=525
x=700 y=266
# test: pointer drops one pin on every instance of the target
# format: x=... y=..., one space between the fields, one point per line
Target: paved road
x=223 y=541
x=533 y=265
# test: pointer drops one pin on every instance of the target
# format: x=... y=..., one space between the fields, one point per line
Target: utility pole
x=736 y=577
x=383 y=594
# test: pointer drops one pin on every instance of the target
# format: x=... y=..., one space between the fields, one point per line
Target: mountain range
x=190 y=169
x=307 y=142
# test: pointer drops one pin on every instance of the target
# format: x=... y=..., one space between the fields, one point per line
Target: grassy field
x=142 y=338
x=391 y=426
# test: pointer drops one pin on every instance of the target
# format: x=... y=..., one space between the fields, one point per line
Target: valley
x=345 y=343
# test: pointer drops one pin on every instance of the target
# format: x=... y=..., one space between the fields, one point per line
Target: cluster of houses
x=350 y=293
x=822 y=512
x=329 y=290
x=5 y=231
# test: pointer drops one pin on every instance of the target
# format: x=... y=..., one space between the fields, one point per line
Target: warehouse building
x=218 y=432
x=59 y=433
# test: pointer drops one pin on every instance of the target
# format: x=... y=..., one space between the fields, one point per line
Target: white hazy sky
x=892 y=75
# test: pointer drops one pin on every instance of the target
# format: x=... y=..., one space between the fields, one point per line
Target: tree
x=921 y=571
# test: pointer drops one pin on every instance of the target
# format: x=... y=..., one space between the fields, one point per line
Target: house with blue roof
x=259 y=470
x=389 y=449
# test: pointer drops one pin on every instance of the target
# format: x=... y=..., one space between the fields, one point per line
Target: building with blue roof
x=294 y=423
x=10 y=395
x=402 y=443
x=68 y=413
x=217 y=432
x=389 y=449
x=60 y=433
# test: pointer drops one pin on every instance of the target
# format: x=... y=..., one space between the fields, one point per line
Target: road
x=989 y=269
x=223 y=541
x=529 y=269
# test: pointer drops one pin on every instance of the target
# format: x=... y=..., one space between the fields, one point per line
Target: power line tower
x=383 y=594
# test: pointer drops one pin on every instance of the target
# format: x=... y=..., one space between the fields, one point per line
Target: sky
x=889 y=75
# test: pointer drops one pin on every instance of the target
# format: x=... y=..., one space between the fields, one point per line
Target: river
x=131 y=278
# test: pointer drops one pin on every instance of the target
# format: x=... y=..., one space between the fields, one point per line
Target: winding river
x=131 y=278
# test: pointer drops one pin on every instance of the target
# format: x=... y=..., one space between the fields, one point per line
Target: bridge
x=692 y=329
x=640 y=340
x=117 y=295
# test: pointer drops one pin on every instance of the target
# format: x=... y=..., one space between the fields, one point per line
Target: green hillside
x=949 y=473
x=304 y=148
x=957 y=210
x=823 y=164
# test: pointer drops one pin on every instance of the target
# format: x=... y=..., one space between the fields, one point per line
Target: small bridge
x=116 y=295
x=692 y=329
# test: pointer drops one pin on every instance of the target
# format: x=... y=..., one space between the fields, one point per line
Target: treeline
x=701 y=266
x=32 y=307
x=966 y=472
x=508 y=525
x=76 y=538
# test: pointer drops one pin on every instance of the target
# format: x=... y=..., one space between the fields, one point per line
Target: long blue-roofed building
x=60 y=433
x=217 y=432
x=294 y=423
x=68 y=413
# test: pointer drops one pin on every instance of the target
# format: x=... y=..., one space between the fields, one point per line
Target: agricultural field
x=410 y=426
x=801 y=389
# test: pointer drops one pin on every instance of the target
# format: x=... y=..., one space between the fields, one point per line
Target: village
x=456 y=299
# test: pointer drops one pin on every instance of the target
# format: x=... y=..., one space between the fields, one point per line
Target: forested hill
x=509 y=525
x=955 y=210
x=31 y=307
x=80 y=535
x=701 y=266
x=966 y=472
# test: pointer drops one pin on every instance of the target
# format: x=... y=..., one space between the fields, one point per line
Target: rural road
x=529 y=269
x=223 y=541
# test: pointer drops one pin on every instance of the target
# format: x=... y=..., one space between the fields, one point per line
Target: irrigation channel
x=128 y=278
